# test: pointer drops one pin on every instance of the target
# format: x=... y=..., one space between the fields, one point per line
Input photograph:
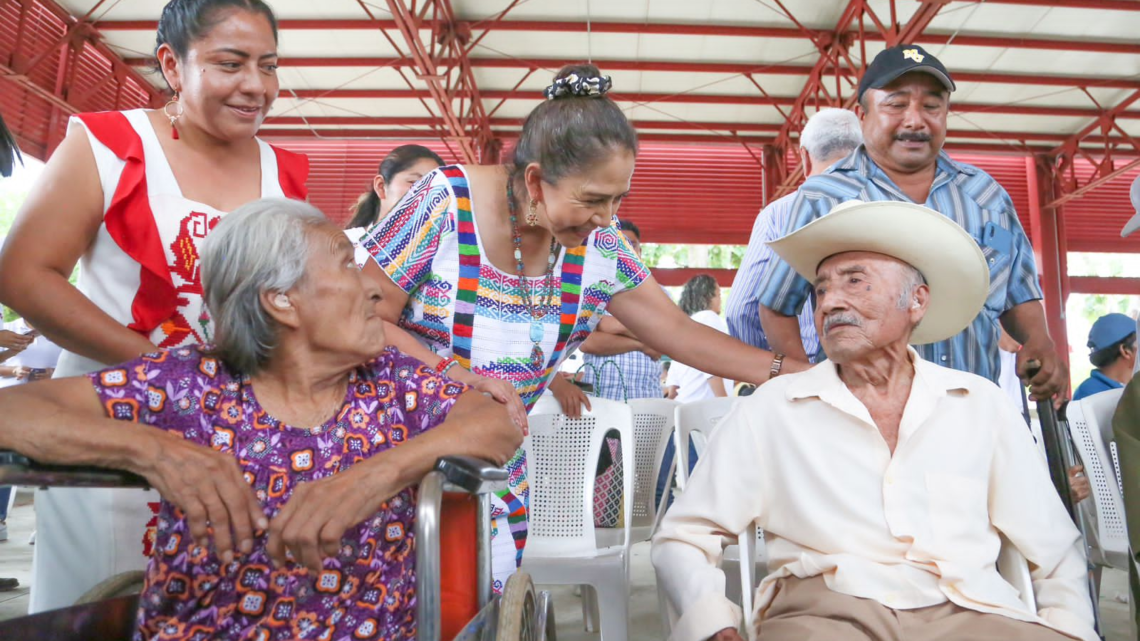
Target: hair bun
x=576 y=85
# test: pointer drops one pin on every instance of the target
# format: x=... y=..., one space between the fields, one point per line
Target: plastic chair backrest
x=562 y=456
x=1111 y=541
x=653 y=421
x=696 y=421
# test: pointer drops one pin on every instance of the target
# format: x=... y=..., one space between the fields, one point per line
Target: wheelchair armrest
x=17 y=469
x=468 y=473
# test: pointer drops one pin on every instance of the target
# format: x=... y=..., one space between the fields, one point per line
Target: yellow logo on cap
x=913 y=54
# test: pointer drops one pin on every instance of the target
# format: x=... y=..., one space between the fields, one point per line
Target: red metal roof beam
x=960 y=39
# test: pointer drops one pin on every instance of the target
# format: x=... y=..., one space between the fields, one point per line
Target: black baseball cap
x=895 y=61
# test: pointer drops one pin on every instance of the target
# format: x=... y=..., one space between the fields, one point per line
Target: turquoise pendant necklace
x=535 y=305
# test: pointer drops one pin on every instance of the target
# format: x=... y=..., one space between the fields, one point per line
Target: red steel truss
x=53 y=65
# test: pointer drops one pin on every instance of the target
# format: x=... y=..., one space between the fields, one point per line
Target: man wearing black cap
x=904 y=99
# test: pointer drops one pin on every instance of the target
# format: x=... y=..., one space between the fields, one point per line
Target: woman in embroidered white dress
x=130 y=196
x=506 y=270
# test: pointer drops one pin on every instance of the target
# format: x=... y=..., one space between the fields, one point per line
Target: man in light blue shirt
x=904 y=99
x=828 y=137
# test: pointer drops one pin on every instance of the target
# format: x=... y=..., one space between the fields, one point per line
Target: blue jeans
x=5 y=496
x=664 y=481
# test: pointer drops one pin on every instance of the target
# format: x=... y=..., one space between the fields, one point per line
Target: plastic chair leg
x=590 y=608
x=615 y=618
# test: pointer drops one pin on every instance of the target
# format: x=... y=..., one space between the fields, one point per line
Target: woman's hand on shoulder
x=502 y=391
x=209 y=488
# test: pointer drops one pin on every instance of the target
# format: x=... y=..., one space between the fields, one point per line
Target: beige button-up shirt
x=803 y=458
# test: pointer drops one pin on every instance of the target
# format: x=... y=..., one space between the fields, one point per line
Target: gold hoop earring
x=178 y=110
x=532 y=214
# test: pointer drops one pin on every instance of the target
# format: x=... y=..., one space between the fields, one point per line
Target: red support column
x=1049 y=247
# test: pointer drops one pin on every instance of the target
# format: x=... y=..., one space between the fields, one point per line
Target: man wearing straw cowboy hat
x=881 y=481
x=904 y=100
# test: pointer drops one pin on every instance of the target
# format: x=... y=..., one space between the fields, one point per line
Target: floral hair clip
x=578 y=86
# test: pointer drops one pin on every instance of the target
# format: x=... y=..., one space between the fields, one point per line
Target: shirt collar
x=1112 y=383
x=931 y=382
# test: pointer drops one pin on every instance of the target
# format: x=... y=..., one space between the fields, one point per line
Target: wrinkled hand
x=570 y=397
x=313 y=523
x=1079 y=483
x=502 y=391
x=727 y=634
x=12 y=341
x=209 y=489
x=1051 y=379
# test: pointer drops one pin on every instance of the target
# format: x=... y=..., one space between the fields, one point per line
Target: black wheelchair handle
x=17 y=469
x=469 y=473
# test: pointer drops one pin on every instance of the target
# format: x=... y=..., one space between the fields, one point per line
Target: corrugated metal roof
x=701 y=192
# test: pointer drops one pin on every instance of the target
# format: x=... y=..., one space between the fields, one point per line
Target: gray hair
x=831 y=133
x=912 y=279
x=260 y=246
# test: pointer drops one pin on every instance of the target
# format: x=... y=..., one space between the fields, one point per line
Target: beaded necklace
x=536 y=306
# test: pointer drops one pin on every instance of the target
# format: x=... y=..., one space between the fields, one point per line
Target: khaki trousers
x=806 y=610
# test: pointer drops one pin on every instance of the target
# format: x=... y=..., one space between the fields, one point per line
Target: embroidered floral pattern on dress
x=368 y=590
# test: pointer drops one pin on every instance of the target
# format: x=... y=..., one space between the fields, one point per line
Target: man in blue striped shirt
x=829 y=136
x=904 y=98
x=619 y=366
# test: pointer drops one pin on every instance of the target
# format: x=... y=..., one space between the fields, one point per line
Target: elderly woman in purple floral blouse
x=283 y=453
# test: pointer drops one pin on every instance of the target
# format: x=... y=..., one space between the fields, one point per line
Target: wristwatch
x=777 y=363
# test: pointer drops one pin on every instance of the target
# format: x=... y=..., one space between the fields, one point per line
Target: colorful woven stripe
x=467 y=291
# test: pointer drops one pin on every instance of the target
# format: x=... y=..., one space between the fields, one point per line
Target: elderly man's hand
x=1079 y=483
x=1047 y=375
x=311 y=525
x=209 y=489
x=727 y=634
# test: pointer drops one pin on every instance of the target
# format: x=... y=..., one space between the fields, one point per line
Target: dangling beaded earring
x=532 y=214
x=174 y=114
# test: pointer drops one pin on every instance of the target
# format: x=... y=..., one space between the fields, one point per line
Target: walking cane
x=1061 y=455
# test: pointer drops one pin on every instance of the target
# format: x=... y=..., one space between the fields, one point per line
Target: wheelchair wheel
x=518 y=610
x=124 y=584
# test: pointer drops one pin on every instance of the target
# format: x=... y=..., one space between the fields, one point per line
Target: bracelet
x=444 y=365
x=777 y=363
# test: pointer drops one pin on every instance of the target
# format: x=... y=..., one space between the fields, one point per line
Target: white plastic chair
x=696 y=421
x=653 y=422
x=562 y=546
x=1089 y=418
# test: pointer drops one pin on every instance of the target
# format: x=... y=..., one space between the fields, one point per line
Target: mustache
x=913 y=137
x=841 y=319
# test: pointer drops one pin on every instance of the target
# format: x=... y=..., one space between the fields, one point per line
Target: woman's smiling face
x=577 y=204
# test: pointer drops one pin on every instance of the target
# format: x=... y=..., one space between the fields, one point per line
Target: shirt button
x=891 y=599
x=992 y=261
x=944 y=358
x=890 y=479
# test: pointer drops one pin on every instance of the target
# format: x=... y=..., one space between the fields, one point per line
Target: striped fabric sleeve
x=405 y=242
x=612 y=244
x=1023 y=282
x=782 y=290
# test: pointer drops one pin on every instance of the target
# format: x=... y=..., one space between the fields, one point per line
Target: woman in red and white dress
x=130 y=196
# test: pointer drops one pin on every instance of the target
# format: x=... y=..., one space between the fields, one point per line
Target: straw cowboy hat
x=946 y=256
